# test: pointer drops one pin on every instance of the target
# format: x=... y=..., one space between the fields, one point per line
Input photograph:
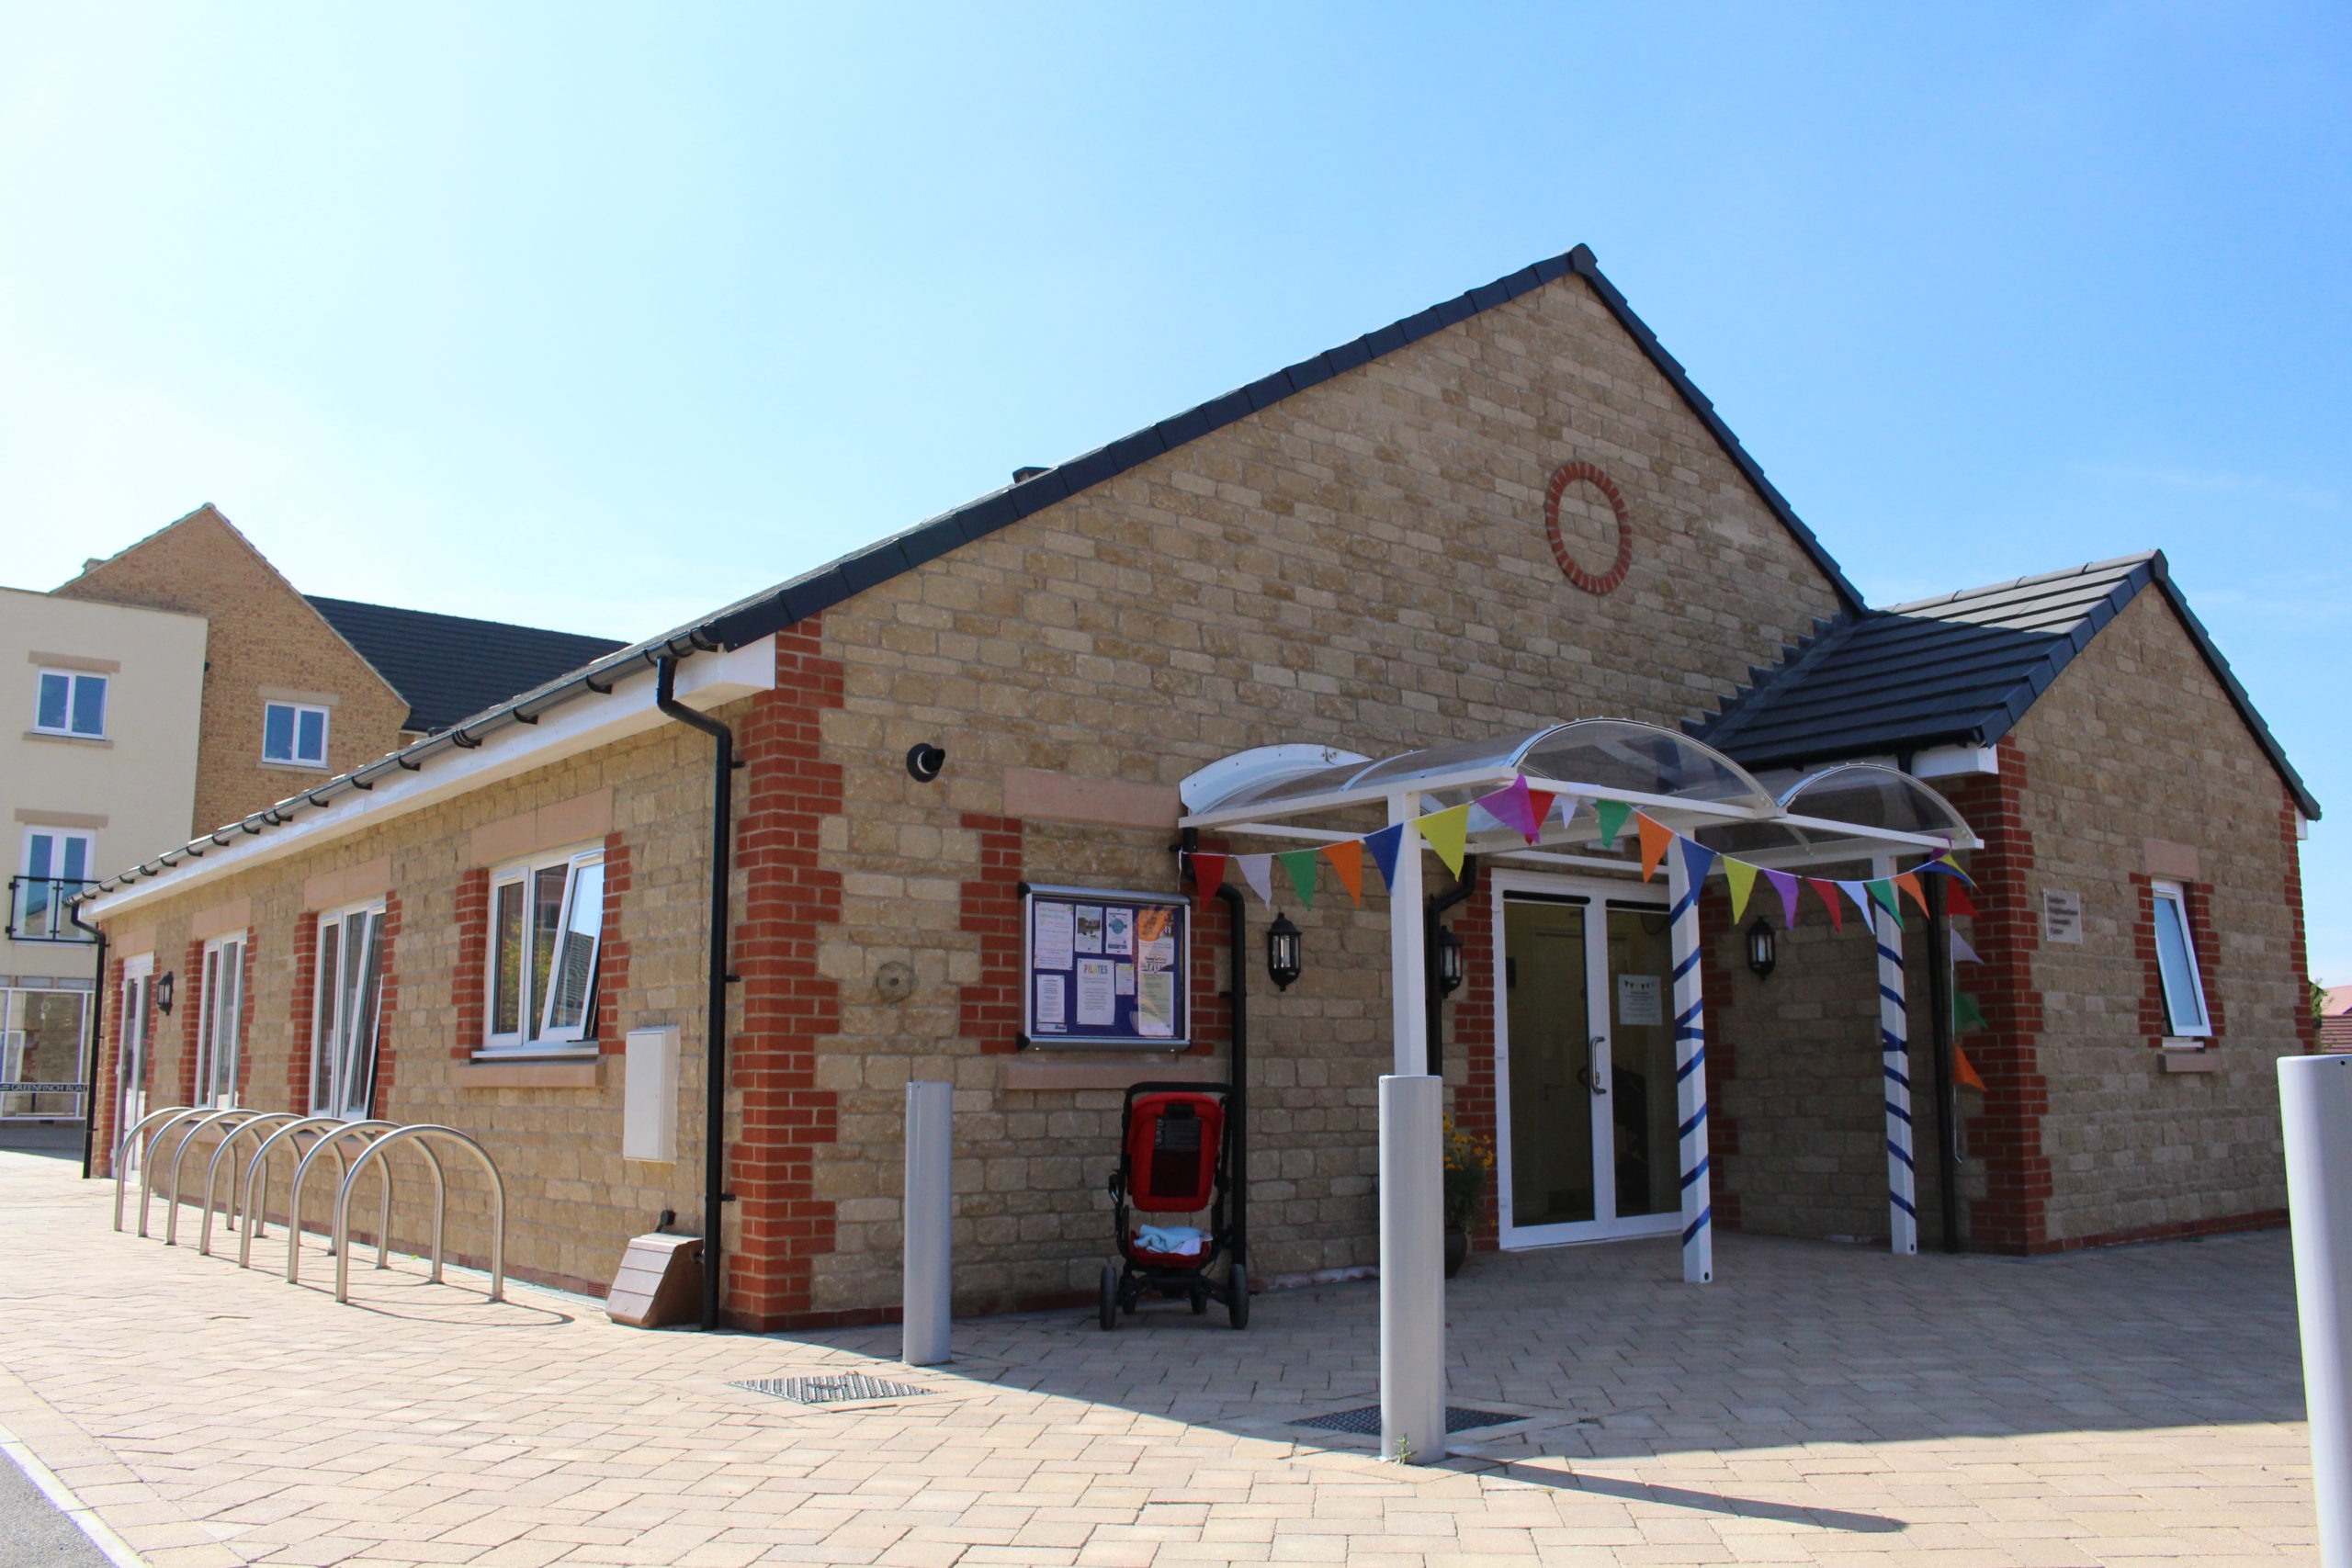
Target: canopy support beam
x=1895 y=1045
x=1691 y=1073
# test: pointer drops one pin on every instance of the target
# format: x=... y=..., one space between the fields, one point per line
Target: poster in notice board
x=1106 y=967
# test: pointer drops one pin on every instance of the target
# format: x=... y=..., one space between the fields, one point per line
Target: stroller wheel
x=1110 y=1303
x=1237 y=1304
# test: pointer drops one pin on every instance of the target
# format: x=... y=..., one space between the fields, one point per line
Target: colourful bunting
x=1861 y=898
x=1656 y=837
x=1786 y=886
x=1943 y=864
x=1960 y=951
x=1909 y=882
x=1697 y=860
x=1208 y=875
x=1515 y=808
x=1963 y=1070
x=1881 y=893
x=1300 y=865
x=1828 y=892
x=1959 y=903
x=1610 y=815
x=1447 y=833
x=1543 y=800
x=1967 y=1018
x=1258 y=871
x=1384 y=846
x=1742 y=877
x=1347 y=862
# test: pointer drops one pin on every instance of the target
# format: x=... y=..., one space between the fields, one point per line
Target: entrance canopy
x=1853 y=810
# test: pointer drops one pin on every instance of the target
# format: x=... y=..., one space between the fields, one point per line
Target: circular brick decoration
x=1562 y=476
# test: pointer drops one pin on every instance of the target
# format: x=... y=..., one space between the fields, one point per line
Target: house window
x=2184 y=988
x=56 y=865
x=220 y=1020
x=70 y=703
x=343 y=1015
x=294 y=732
x=546 y=919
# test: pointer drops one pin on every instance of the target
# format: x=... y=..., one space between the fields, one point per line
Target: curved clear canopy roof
x=1601 y=753
x=1859 y=795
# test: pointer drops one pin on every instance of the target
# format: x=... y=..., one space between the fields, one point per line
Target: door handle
x=1599 y=1050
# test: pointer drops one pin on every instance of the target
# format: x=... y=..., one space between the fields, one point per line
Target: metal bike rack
x=235 y=1116
x=369 y=1130
x=121 y=1167
x=212 y=1173
x=252 y=1201
x=419 y=1133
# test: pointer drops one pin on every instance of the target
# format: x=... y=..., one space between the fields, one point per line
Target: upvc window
x=71 y=703
x=57 y=864
x=350 y=976
x=2184 y=988
x=547 y=922
x=220 y=1020
x=294 y=732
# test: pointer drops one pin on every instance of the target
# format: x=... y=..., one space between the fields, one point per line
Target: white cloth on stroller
x=1178 y=1241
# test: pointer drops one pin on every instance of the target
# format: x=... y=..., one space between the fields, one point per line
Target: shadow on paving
x=1607 y=1354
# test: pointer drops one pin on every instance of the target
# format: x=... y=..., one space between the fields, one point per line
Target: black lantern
x=1449 y=961
x=164 y=993
x=1762 y=948
x=1281 y=953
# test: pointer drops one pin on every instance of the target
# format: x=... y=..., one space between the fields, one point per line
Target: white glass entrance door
x=1583 y=1064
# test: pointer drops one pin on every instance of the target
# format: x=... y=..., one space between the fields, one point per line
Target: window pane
x=360 y=1073
x=2184 y=1003
x=74 y=863
x=311 y=734
x=40 y=853
x=547 y=917
x=575 y=964
x=278 y=733
x=506 y=975
x=89 y=705
x=324 y=1051
x=224 y=1055
x=206 y=1039
x=49 y=712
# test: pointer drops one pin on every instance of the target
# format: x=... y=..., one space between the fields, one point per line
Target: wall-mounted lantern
x=1281 y=953
x=1449 y=961
x=1762 y=948
x=164 y=993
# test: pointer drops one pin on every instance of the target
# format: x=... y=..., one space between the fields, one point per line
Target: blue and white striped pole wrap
x=1690 y=1075
x=1895 y=1044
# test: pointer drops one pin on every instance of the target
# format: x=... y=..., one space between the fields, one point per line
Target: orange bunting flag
x=1655 y=839
x=1347 y=860
x=1909 y=882
x=1963 y=1071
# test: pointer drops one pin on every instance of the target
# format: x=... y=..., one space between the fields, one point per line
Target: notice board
x=1101 y=966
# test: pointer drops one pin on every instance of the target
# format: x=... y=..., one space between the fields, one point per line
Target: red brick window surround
x=2195 y=900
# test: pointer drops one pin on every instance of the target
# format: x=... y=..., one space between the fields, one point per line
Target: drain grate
x=1366 y=1420
x=830 y=1390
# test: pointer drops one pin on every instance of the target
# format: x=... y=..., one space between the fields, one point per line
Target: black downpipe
x=97 y=1041
x=1237 y=1103
x=723 y=818
x=1431 y=997
x=1947 y=1091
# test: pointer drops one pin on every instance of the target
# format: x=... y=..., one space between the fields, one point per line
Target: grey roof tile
x=449 y=668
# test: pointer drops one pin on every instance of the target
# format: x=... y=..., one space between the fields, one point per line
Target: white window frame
x=326 y=734
x=347 y=1010
x=535 y=1002
x=2201 y=1029
x=220 y=1001
x=134 y=1041
x=26 y=915
x=73 y=692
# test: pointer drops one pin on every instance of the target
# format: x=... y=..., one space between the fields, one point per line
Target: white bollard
x=2315 y=1106
x=1412 y=1268
x=929 y=1212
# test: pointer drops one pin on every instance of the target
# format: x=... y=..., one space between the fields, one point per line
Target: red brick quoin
x=785 y=1006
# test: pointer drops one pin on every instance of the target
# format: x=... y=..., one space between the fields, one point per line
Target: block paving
x=1820 y=1404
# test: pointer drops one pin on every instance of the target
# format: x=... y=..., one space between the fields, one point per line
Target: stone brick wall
x=264 y=633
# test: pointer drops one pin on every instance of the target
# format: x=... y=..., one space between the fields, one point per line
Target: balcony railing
x=36 y=909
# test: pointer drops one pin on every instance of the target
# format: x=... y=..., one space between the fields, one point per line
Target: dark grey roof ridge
x=2033 y=580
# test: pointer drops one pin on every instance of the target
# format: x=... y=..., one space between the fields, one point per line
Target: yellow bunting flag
x=1347 y=860
x=1909 y=882
x=1447 y=833
x=1656 y=837
x=1742 y=877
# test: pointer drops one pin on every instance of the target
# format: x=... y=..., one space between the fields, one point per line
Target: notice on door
x=1105 y=968
x=1641 y=1000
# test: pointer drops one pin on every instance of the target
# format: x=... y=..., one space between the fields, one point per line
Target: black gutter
x=1236 y=1102
x=722 y=817
x=1947 y=1091
x=1431 y=997
x=98 y=1039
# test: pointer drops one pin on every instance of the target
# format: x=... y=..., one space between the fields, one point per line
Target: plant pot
x=1457 y=1249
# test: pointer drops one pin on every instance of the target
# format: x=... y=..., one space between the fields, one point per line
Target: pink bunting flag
x=1786 y=886
x=1515 y=808
x=1960 y=951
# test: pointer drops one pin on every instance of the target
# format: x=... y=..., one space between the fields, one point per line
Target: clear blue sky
x=596 y=317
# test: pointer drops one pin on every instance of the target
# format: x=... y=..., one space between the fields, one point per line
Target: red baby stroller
x=1176 y=1157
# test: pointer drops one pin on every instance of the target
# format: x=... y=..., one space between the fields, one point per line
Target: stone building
x=1508 y=510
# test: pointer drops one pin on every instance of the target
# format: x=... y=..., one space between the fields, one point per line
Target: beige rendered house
x=1502 y=537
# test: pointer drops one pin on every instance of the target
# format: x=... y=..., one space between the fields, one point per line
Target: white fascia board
x=704 y=681
x=1947 y=761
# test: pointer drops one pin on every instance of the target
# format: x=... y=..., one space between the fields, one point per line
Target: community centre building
x=1492 y=588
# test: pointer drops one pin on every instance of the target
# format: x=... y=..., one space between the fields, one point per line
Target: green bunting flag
x=1882 y=895
x=1610 y=815
x=1965 y=1016
x=1300 y=865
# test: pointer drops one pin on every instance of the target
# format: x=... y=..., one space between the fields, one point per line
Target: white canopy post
x=1894 y=1043
x=1407 y=976
x=1691 y=1072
